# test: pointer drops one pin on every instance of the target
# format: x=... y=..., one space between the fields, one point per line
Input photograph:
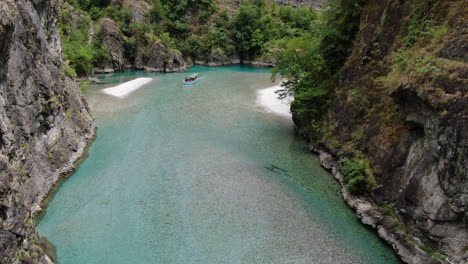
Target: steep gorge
x=399 y=105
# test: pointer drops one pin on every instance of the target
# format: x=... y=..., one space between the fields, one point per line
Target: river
x=201 y=174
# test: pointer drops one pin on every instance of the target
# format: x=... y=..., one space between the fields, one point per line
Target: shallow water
x=186 y=175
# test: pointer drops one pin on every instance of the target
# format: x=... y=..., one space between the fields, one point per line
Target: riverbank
x=186 y=67
x=272 y=101
x=387 y=227
x=48 y=247
x=383 y=221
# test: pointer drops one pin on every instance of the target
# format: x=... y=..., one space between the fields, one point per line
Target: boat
x=192 y=79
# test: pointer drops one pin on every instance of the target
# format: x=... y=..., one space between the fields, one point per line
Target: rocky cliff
x=45 y=123
x=401 y=108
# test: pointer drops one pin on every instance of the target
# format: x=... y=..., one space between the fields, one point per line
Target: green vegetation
x=387 y=210
x=250 y=30
x=195 y=28
x=309 y=48
x=354 y=175
x=311 y=60
x=78 y=54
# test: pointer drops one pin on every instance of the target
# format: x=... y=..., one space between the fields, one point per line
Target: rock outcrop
x=218 y=58
x=148 y=53
x=140 y=10
x=370 y=214
x=45 y=125
x=303 y=3
x=402 y=104
x=152 y=57
x=160 y=59
x=112 y=39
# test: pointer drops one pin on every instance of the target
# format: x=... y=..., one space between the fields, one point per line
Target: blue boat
x=192 y=79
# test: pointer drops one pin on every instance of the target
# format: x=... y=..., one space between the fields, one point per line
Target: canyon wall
x=401 y=107
x=45 y=125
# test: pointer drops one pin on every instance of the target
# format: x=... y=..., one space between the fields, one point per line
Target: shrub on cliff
x=354 y=175
x=80 y=56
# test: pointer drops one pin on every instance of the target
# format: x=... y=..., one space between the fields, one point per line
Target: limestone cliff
x=45 y=123
x=401 y=105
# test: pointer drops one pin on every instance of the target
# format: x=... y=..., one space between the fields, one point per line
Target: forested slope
x=166 y=36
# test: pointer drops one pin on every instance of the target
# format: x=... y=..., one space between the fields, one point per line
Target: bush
x=417 y=28
x=354 y=174
x=157 y=12
x=247 y=31
x=102 y=55
x=76 y=49
x=314 y=54
x=96 y=13
x=193 y=46
x=80 y=56
x=67 y=70
x=87 y=5
x=342 y=23
x=357 y=185
x=175 y=9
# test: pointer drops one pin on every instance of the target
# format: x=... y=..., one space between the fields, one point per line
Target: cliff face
x=401 y=104
x=45 y=123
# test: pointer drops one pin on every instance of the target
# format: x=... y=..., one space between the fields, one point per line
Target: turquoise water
x=179 y=175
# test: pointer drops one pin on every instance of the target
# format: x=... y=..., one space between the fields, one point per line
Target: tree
x=304 y=69
x=80 y=57
x=247 y=31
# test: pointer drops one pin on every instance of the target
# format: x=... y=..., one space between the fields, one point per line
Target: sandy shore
x=127 y=88
x=270 y=101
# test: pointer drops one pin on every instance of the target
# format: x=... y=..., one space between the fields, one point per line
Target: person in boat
x=191 y=79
